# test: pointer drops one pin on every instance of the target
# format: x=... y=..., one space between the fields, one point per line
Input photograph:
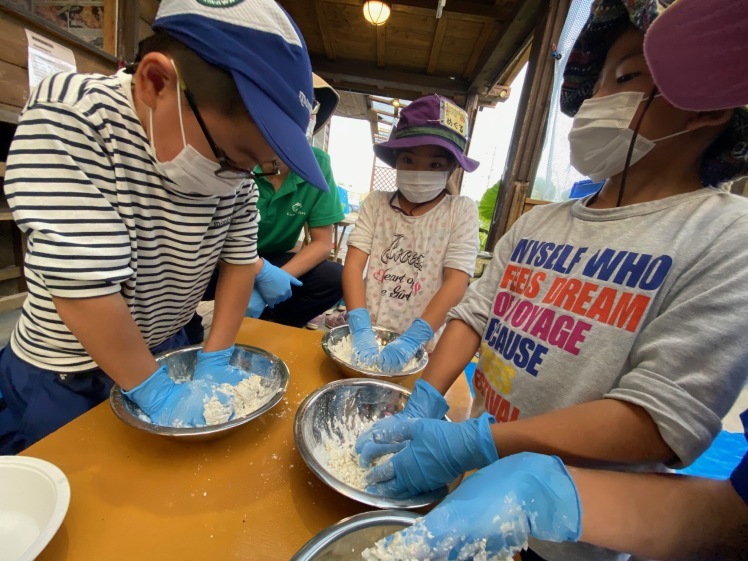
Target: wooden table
x=248 y=496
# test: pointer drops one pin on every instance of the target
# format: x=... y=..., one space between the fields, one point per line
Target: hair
x=211 y=86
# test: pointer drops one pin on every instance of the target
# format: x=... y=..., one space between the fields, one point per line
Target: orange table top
x=247 y=496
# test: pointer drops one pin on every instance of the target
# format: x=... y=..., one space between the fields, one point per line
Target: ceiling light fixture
x=377 y=12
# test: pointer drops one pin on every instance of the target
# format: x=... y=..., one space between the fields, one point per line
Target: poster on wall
x=82 y=18
x=46 y=58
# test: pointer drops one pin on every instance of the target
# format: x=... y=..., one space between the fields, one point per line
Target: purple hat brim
x=385 y=151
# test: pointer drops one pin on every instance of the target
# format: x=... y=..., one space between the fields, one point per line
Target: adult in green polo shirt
x=287 y=202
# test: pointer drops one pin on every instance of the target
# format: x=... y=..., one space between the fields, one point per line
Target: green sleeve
x=327 y=209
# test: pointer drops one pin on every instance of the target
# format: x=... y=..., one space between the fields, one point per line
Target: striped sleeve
x=60 y=186
x=240 y=246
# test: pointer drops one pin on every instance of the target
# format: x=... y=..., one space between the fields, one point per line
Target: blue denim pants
x=36 y=402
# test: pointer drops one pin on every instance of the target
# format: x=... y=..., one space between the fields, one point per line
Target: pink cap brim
x=697 y=51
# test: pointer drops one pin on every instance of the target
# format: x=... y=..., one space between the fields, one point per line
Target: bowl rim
x=116 y=400
x=384 y=376
x=340 y=529
x=61 y=485
x=307 y=454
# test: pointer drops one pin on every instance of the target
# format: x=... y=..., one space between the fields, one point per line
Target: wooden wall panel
x=148 y=10
x=407 y=58
x=14 y=85
x=144 y=29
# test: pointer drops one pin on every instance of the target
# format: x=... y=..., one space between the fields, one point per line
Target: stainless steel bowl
x=344 y=399
x=384 y=336
x=180 y=364
x=349 y=537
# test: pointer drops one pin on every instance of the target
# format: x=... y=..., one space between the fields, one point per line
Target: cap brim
x=280 y=131
x=385 y=151
x=698 y=54
x=328 y=101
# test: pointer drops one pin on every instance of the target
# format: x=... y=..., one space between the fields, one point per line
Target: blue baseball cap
x=258 y=43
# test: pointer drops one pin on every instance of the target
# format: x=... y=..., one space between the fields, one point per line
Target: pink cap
x=697 y=51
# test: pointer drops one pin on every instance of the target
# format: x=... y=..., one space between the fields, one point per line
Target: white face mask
x=600 y=135
x=191 y=172
x=421 y=186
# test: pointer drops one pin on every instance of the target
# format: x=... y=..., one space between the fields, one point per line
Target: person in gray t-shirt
x=610 y=329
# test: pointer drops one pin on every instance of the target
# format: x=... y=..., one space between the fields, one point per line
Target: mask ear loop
x=630 y=152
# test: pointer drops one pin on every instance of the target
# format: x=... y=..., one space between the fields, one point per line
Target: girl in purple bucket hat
x=420 y=242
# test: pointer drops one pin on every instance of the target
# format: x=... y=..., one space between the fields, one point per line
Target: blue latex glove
x=256 y=305
x=396 y=354
x=274 y=284
x=170 y=404
x=365 y=347
x=424 y=402
x=436 y=452
x=214 y=367
x=504 y=503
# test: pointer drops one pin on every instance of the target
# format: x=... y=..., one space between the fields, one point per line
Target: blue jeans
x=37 y=402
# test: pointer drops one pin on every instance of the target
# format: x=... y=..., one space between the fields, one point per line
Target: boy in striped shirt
x=131 y=188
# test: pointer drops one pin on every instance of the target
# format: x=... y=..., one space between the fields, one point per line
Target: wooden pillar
x=532 y=116
x=471 y=107
x=127 y=29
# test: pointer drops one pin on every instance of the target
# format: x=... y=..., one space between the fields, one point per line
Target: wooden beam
x=366 y=74
x=455 y=9
x=381 y=45
x=324 y=29
x=11 y=272
x=471 y=108
x=9 y=113
x=110 y=26
x=530 y=123
x=513 y=36
x=458 y=9
x=478 y=48
x=127 y=30
x=436 y=47
x=13 y=302
x=148 y=9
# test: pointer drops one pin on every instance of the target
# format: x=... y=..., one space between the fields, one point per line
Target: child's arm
x=452 y=290
x=455 y=349
x=106 y=329
x=354 y=291
x=359 y=249
x=605 y=431
x=706 y=519
x=232 y=296
x=238 y=266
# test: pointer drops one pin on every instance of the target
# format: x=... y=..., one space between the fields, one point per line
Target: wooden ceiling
x=475 y=47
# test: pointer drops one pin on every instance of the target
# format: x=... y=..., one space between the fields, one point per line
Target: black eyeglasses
x=227 y=169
